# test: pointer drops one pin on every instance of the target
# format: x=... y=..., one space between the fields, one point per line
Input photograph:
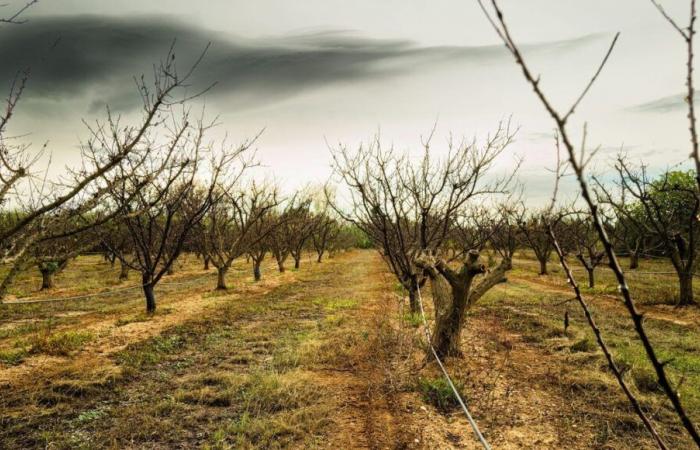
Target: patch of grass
x=335 y=304
x=89 y=416
x=645 y=380
x=583 y=345
x=60 y=344
x=334 y=320
x=413 y=319
x=437 y=392
x=150 y=352
x=143 y=317
x=13 y=357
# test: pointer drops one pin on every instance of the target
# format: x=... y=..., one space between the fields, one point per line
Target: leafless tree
x=47 y=209
x=577 y=161
x=454 y=293
x=51 y=257
x=580 y=233
x=627 y=236
x=326 y=231
x=506 y=236
x=408 y=210
x=533 y=229
x=259 y=248
x=237 y=223
x=161 y=214
x=116 y=239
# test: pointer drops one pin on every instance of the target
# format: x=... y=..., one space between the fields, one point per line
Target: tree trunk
x=221 y=278
x=320 y=256
x=123 y=272
x=686 y=294
x=46 y=279
x=206 y=263
x=634 y=260
x=413 y=301
x=297 y=262
x=591 y=278
x=256 y=270
x=450 y=308
x=150 y=297
x=280 y=266
x=543 y=266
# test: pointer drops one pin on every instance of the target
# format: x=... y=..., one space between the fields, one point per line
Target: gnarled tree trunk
x=543 y=266
x=453 y=295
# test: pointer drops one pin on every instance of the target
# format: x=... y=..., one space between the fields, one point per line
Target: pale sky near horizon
x=318 y=71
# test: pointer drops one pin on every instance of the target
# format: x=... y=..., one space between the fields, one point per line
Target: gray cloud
x=662 y=105
x=75 y=55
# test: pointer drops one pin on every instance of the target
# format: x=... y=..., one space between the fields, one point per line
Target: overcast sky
x=312 y=71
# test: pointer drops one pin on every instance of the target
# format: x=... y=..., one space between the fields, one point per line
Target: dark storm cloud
x=76 y=55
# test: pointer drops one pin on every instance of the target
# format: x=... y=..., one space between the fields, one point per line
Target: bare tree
x=259 y=248
x=627 y=236
x=236 y=223
x=164 y=211
x=582 y=236
x=325 y=233
x=534 y=232
x=408 y=208
x=454 y=293
x=51 y=257
x=47 y=209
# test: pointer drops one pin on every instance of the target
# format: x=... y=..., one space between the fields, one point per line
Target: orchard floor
x=325 y=356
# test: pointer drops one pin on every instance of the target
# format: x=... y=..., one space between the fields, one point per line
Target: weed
x=437 y=392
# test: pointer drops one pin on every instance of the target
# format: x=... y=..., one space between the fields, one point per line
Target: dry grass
x=327 y=357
